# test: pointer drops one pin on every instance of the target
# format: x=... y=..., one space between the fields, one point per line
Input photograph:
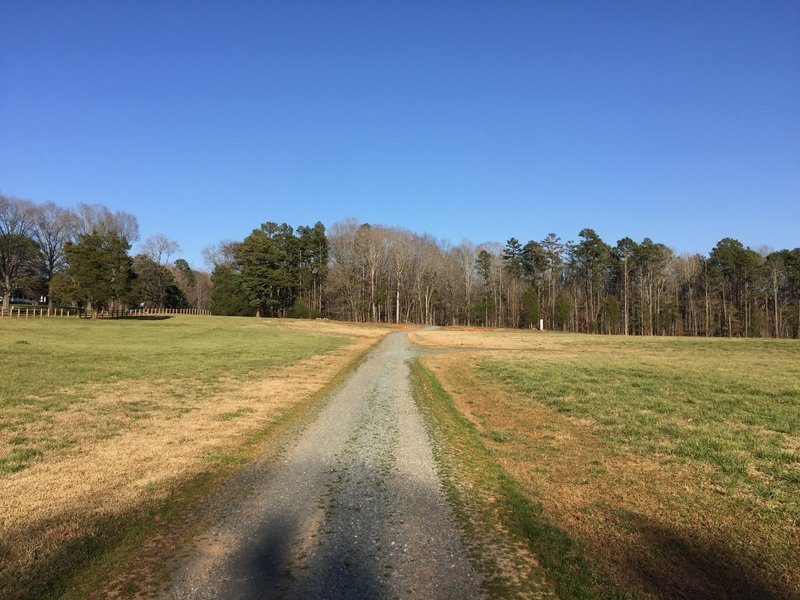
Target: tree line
x=81 y=257
x=363 y=272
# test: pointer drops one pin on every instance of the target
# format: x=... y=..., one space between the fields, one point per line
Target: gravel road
x=353 y=508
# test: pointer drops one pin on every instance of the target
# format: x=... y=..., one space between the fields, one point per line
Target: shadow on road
x=267 y=566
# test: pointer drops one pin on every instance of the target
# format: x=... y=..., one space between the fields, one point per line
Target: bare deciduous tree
x=159 y=248
x=98 y=218
x=220 y=254
x=17 y=249
x=54 y=227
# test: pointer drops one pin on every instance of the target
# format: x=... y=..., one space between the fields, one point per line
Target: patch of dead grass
x=325 y=326
x=484 y=339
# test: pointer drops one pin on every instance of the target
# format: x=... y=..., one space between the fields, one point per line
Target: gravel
x=353 y=508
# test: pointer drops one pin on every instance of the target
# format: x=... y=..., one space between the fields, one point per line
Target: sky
x=674 y=120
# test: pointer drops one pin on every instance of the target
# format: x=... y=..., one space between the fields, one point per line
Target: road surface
x=353 y=508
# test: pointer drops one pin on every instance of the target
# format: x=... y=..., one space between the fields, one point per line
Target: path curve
x=353 y=509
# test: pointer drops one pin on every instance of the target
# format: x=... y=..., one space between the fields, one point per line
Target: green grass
x=131 y=565
x=235 y=414
x=482 y=493
x=148 y=369
x=18 y=459
x=499 y=436
x=731 y=405
x=48 y=355
x=54 y=364
x=669 y=466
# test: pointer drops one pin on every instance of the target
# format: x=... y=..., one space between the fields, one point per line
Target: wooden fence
x=35 y=312
x=141 y=312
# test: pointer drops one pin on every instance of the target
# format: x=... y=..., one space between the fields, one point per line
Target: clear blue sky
x=481 y=120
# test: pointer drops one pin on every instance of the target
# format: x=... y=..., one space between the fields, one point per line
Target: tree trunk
x=776 y=324
x=707 y=311
x=397 y=303
x=372 y=297
x=625 y=293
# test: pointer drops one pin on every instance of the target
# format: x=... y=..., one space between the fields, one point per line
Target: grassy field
x=622 y=467
x=101 y=421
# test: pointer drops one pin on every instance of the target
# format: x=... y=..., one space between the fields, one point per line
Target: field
x=580 y=466
x=103 y=421
x=591 y=466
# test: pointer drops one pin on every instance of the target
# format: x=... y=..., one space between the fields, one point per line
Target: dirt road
x=352 y=509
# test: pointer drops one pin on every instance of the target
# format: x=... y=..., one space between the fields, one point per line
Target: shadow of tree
x=144 y=318
x=687 y=567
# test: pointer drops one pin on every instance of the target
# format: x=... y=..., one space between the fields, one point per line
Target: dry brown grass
x=483 y=339
x=658 y=527
x=135 y=441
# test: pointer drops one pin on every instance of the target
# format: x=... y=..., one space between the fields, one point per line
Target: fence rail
x=17 y=312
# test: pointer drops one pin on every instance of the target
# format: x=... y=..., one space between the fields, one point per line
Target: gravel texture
x=353 y=508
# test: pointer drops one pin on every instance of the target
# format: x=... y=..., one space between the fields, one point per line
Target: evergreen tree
x=269 y=263
x=228 y=296
x=610 y=314
x=101 y=270
x=486 y=309
x=592 y=257
x=312 y=267
x=623 y=262
x=563 y=310
x=530 y=304
x=736 y=270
